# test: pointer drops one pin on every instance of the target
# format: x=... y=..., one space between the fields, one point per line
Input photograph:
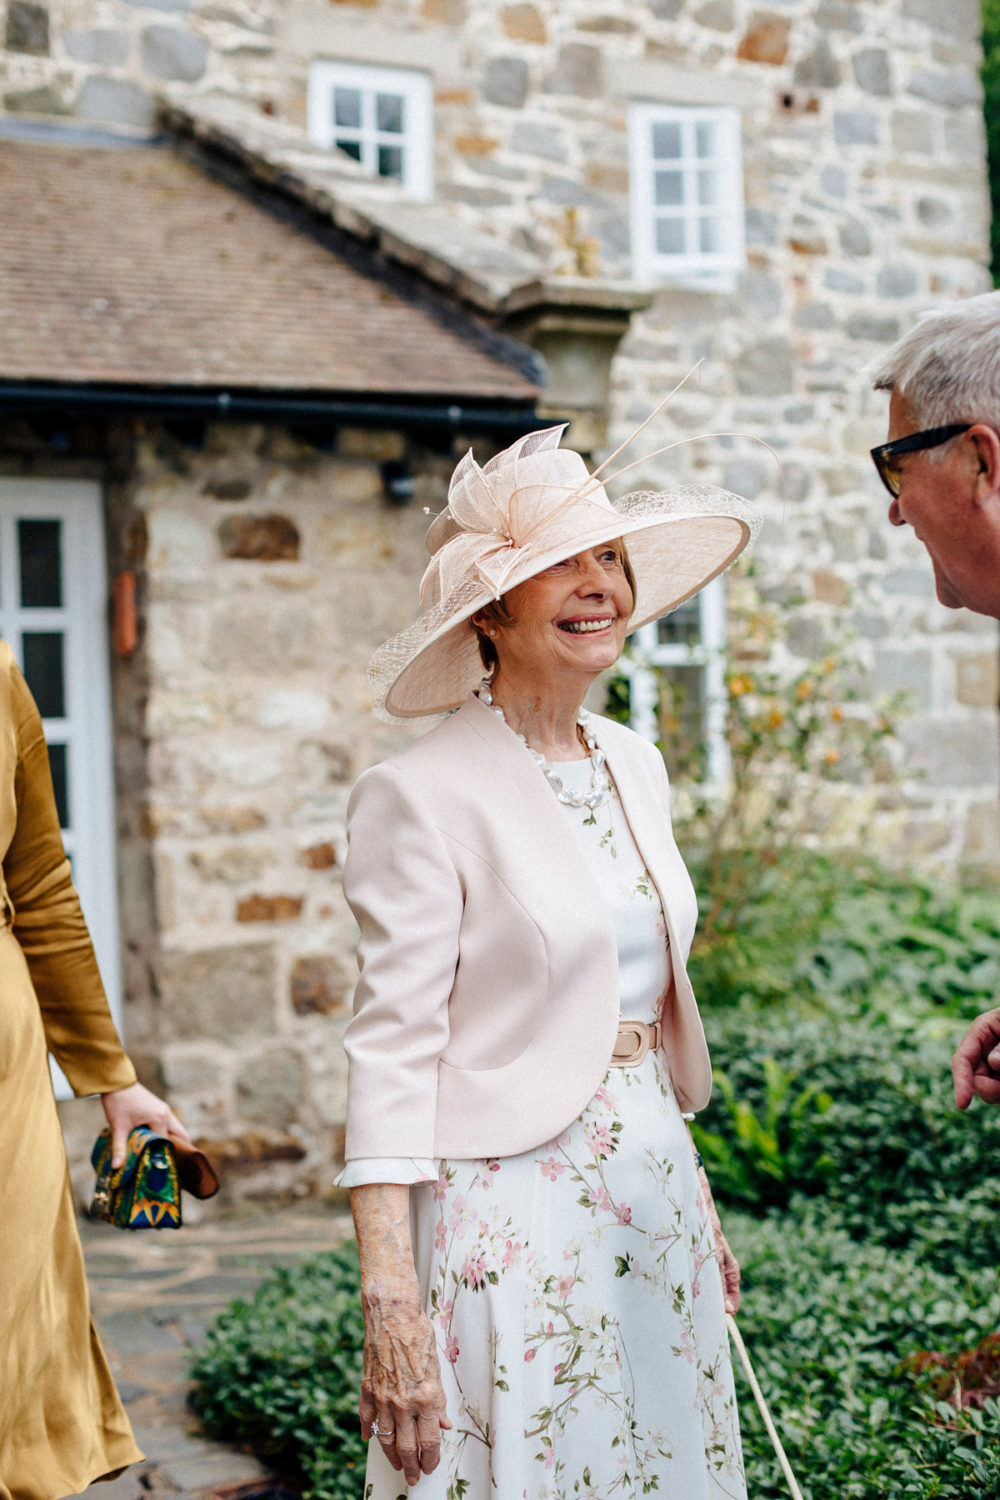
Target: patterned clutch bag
x=145 y=1191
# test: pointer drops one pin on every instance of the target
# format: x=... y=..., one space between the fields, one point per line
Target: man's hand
x=976 y=1064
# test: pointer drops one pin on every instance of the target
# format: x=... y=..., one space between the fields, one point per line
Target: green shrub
x=829 y=1323
x=815 y=932
x=280 y=1374
x=889 y=1151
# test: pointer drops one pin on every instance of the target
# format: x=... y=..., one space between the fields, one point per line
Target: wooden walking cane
x=758 y=1395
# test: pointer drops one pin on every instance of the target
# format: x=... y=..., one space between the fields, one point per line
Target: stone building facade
x=240 y=722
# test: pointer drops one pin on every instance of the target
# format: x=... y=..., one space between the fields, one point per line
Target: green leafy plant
x=280 y=1374
x=831 y=1323
x=763 y=1157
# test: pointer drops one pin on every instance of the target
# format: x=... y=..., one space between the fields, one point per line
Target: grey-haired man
x=941 y=466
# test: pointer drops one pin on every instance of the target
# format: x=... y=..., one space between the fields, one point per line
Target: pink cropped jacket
x=487 y=1005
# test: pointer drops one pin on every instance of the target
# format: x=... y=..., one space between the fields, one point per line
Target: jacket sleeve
x=49 y=924
x=405 y=892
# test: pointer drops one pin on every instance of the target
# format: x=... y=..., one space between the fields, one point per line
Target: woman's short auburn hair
x=497 y=613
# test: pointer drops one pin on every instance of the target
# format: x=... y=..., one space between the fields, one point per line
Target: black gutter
x=247 y=405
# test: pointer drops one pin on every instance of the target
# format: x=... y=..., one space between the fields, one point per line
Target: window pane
x=704 y=133
x=39 y=547
x=390 y=161
x=666 y=140
x=347 y=107
x=60 y=782
x=668 y=189
x=43 y=671
x=708 y=188
x=682 y=626
x=389 y=113
x=349 y=148
x=670 y=236
x=710 y=236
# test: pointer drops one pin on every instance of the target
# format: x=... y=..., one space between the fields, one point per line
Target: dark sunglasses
x=884 y=457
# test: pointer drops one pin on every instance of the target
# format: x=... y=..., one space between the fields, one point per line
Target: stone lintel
x=312 y=31
x=668 y=83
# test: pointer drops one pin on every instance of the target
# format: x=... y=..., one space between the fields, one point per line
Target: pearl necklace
x=600 y=784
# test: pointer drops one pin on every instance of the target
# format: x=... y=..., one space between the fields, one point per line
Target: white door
x=53 y=611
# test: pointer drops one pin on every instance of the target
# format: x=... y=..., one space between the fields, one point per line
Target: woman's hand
x=401 y=1386
x=137 y=1105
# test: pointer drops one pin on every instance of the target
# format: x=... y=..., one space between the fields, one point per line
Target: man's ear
x=986 y=445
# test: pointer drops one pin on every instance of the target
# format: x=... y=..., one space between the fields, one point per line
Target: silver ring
x=379 y=1432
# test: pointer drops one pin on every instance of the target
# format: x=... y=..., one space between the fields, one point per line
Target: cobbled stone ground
x=153 y=1296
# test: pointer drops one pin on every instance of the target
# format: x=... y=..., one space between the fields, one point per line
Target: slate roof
x=132 y=266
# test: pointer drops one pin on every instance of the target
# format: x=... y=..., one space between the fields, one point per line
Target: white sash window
x=53 y=603
x=381 y=117
x=683 y=656
x=686 y=189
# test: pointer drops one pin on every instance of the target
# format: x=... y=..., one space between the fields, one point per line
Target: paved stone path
x=154 y=1293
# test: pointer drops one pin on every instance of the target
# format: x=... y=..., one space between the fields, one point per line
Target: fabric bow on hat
x=500 y=514
x=527 y=508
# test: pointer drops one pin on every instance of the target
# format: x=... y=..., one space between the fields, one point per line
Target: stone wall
x=865 y=203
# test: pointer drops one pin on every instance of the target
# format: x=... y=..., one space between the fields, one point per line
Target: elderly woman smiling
x=543 y=1276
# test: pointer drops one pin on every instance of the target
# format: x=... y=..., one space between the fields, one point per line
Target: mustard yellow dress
x=61 y=1423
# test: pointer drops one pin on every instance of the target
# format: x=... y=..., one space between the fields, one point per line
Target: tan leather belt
x=635 y=1039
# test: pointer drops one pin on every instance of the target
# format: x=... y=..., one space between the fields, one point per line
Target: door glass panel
x=39 y=546
x=60 y=782
x=42 y=651
x=349 y=148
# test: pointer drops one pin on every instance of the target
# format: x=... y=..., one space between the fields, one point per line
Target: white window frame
x=417 y=138
x=86 y=727
x=709 y=653
x=708 y=270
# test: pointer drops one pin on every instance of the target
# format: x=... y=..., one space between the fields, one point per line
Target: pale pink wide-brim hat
x=531 y=506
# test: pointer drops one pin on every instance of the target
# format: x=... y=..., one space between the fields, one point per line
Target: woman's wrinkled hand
x=137 y=1105
x=401 y=1386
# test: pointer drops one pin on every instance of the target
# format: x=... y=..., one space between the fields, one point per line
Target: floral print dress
x=574 y=1289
